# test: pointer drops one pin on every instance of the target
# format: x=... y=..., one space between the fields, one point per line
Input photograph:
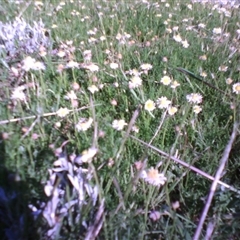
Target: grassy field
x=116 y=117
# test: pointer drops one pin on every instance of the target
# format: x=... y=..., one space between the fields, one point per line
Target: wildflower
x=102 y=38
x=5 y=136
x=149 y=105
x=119 y=56
x=172 y=110
x=203 y=74
x=35 y=136
x=48 y=189
x=189 y=6
x=110 y=162
x=135 y=129
x=175 y=205
x=107 y=51
x=163 y=102
x=91 y=67
x=175 y=28
x=146 y=66
x=116 y=84
x=18 y=94
x=165 y=59
x=168 y=30
x=87 y=55
x=223 y=68
x=114 y=102
x=86 y=155
x=92 y=40
x=28 y=63
x=42 y=51
x=101 y=134
x=57 y=124
x=75 y=86
x=175 y=84
x=62 y=112
x=203 y=57
x=75 y=13
x=217 y=31
x=95 y=79
x=92 y=32
x=197 y=109
x=93 y=89
x=60 y=68
x=189 y=28
x=185 y=43
x=135 y=82
x=229 y=81
x=155 y=215
x=139 y=165
x=201 y=25
x=15 y=71
x=69 y=42
x=236 y=88
x=61 y=53
x=134 y=72
x=177 y=38
x=119 y=124
x=38 y=66
x=119 y=36
x=152 y=176
x=165 y=80
x=122 y=38
x=194 y=98
x=84 y=124
x=113 y=65
x=54 y=26
x=38 y=3
x=71 y=95
x=72 y=64
x=74 y=103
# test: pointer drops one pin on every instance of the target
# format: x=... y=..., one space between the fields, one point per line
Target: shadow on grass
x=16 y=218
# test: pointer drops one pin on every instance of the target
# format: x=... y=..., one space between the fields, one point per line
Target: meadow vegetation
x=115 y=116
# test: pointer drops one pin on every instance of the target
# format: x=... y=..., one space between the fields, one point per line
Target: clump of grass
x=145 y=95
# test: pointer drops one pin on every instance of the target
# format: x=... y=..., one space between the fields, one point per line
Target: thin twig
x=35 y=116
x=120 y=195
x=24 y=9
x=210 y=228
x=159 y=127
x=185 y=71
x=130 y=125
x=181 y=162
x=95 y=132
x=216 y=181
x=31 y=127
x=24 y=118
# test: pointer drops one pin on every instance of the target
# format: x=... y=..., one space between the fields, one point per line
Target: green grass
x=197 y=139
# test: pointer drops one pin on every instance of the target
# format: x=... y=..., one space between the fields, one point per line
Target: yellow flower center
x=237 y=88
x=152 y=174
